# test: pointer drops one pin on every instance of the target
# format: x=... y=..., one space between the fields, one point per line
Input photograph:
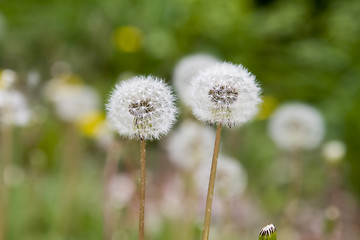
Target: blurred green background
x=302 y=50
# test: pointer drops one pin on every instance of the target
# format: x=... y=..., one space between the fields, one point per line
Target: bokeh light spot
x=127 y=39
x=267 y=107
x=91 y=123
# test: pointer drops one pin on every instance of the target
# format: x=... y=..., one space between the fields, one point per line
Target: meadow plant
x=142 y=108
x=14 y=112
x=223 y=94
x=295 y=128
x=268 y=233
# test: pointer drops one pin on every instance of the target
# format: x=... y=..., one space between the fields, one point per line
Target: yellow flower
x=127 y=39
x=267 y=107
x=91 y=123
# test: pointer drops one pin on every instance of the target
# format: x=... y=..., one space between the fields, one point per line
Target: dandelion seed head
x=225 y=93
x=142 y=107
x=186 y=70
x=296 y=126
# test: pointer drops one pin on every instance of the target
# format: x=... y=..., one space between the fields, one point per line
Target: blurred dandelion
x=121 y=190
x=189 y=145
x=73 y=101
x=231 y=178
x=186 y=69
x=33 y=79
x=71 y=98
x=296 y=126
x=225 y=94
x=142 y=108
x=13 y=108
x=172 y=198
x=334 y=151
x=7 y=78
x=14 y=111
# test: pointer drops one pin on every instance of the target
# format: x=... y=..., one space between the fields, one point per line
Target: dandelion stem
x=109 y=172
x=295 y=188
x=211 y=183
x=142 y=187
x=6 y=150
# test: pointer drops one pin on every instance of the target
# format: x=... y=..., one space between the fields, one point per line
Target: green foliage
x=299 y=50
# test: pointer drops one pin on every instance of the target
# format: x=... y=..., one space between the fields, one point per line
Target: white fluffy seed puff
x=225 y=93
x=296 y=126
x=142 y=107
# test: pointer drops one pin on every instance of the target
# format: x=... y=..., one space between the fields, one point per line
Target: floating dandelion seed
x=142 y=107
x=186 y=69
x=296 y=126
x=225 y=93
